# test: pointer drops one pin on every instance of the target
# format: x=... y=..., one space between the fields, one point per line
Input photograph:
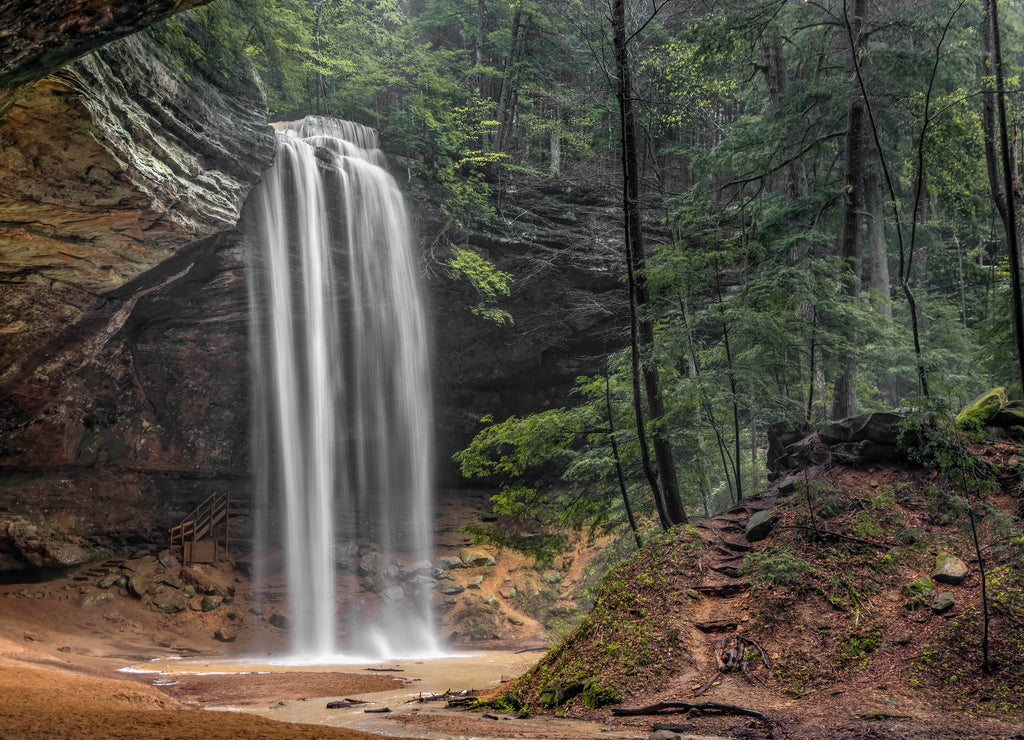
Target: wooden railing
x=197 y=537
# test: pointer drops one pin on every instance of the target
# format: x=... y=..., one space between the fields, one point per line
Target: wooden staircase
x=205 y=533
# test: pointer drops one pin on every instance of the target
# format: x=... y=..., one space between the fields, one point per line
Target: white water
x=343 y=427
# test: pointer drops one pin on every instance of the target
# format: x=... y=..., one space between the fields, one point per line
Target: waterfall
x=342 y=414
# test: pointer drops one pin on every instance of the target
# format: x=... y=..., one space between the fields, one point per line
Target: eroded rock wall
x=123 y=311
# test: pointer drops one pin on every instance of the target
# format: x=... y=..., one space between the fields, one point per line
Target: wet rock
x=280 y=620
x=943 y=600
x=392 y=594
x=370 y=564
x=99 y=599
x=760 y=525
x=949 y=569
x=346 y=556
x=476 y=558
x=391 y=572
x=169 y=602
x=451 y=588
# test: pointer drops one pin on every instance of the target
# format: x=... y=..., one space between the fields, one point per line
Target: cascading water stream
x=342 y=412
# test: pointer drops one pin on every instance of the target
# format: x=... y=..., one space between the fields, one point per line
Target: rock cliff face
x=123 y=310
x=562 y=244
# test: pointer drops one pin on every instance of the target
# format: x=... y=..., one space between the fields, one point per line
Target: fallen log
x=682 y=706
x=382 y=710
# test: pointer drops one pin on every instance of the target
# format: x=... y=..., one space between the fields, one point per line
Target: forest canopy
x=835 y=208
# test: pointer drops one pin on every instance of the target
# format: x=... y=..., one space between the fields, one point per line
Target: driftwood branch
x=682 y=706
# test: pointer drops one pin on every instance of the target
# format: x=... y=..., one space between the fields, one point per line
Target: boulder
x=981 y=410
x=169 y=601
x=207 y=580
x=280 y=620
x=370 y=564
x=451 y=588
x=881 y=427
x=448 y=563
x=949 y=569
x=1009 y=416
x=392 y=594
x=760 y=525
x=476 y=558
x=211 y=602
x=475 y=582
x=551 y=576
x=139 y=586
x=919 y=587
x=414 y=570
x=943 y=601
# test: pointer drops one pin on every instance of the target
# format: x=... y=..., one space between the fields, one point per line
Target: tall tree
x=664 y=484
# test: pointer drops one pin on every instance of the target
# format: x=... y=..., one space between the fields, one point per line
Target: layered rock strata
x=123 y=311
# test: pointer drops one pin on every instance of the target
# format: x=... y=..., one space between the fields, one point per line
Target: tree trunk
x=556 y=151
x=877 y=273
x=1012 y=243
x=665 y=490
x=851 y=245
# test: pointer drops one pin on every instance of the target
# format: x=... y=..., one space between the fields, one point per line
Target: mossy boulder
x=981 y=410
x=596 y=695
x=919 y=587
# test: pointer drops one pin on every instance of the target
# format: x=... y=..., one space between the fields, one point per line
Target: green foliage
x=777 y=567
x=489 y=282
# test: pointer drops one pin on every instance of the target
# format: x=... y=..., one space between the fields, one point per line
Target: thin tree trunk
x=1012 y=243
x=618 y=463
x=511 y=61
x=667 y=489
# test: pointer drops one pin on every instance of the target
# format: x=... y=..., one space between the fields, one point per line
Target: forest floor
x=817 y=614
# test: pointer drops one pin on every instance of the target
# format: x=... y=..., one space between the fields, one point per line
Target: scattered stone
x=514 y=620
x=138 y=586
x=370 y=564
x=874 y=483
x=919 y=587
x=109 y=580
x=64 y=649
x=693 y=594
x=788 y=485
x=551 y=576
x=451 y=588
x=258 y=611
x=760 y=525
x=392 y=594
x=469 y=599
x=476 y=558
x=167 y=560
x=169 y=602
x=222 y=635
x=279 y=620
x=190 y=591
x=507 y=592
x=903 y=639
x=207 y=581
x=449 y=563
x=173 y=581
x=449 y=601
x=32 y=637
x=420 y=569
x=475 y=582
x=942 y=601
x=211 y=602
x=949 y=569
x=345 y=556
x=99 y=599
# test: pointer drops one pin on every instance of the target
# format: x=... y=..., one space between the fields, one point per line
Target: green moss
x=980 y=411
